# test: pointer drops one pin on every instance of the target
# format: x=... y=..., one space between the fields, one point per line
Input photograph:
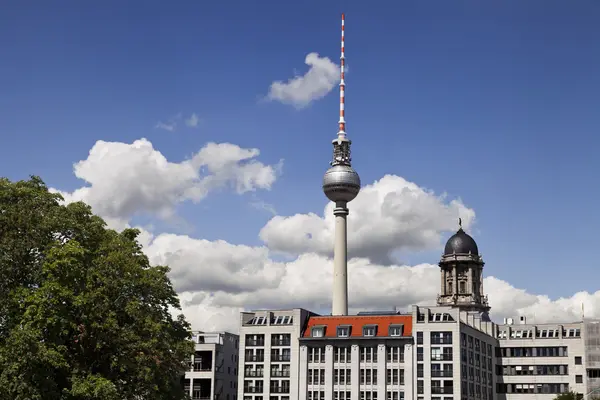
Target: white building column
x=381 y=372
x=302 y=371
x=328 y=372
x=355 y=377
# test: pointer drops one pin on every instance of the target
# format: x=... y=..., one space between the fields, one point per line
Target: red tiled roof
x=357 y=322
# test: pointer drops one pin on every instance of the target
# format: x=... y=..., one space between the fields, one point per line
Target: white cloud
x=306 y=282
x=316 y=83
x=128 y=179
x=170 y=125
x=192 y=121
x=389 y=215
x=216 y=280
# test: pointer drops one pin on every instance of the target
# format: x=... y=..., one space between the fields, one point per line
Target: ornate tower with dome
x=461 y=273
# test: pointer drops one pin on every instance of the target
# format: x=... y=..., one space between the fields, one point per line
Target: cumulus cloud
x=389 y=215
x=128 y=179
x=216 y=279
x=316 y=83
x=209 y=277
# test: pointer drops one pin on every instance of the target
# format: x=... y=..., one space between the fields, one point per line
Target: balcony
x=202 y=361
x=441 y=374
x=441 y=357
x=441 y=390
x=253 y=389
x=280 y=357
x=252 y=358
x=280 y=374
x=281 y=342
x=280 y=389
x=250 y=343
x=256 y=373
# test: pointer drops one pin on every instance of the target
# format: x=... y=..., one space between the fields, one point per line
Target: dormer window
x=369 y=330
x=318 y=331
x=343 y=331
x=395 y=330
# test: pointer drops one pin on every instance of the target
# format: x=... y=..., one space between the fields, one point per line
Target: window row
x=545 y=388
x=539 y=334
x=368 y=330
x=343 y=354
x=279 y=339
x=275 y=320
x=508 y=370
x=554 y=351
x=436 y=337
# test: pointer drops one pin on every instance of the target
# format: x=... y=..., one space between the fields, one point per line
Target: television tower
x=341 y=185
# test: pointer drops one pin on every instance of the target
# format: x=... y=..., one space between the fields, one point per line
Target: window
x=578 y=378
x=318 y=331
x=419 y=337
x=395 y=330
x=578 y=360
x=343 y=331
x=369 y=330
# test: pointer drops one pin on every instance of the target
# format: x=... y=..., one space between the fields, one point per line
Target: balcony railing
x=253 y=389
x=255 y=343
x=441 y=357
x=280 y=357
x=281 y=389
x=441 y=374
x=255 y=358
x=201 y=368
x=281 y=343
x=437 y=340
x=256 y=373
x=280 y=374
x=441 y=390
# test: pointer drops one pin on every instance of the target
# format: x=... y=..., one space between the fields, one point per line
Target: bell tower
x=461 y=274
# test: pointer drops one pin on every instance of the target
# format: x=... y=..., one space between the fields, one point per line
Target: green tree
x=569 y=396
x=83 y=315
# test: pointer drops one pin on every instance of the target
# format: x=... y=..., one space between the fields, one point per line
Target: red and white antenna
x=342 y=131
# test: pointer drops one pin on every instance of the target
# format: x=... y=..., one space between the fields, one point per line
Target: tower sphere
x=341 y=183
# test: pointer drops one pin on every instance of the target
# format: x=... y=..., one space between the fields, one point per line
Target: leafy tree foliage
x=569 y=396
x=83 y=315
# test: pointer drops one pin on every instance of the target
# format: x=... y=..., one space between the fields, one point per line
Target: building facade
x=541 y=359
x=449 y=351
x=269 y=354
x=213 y=369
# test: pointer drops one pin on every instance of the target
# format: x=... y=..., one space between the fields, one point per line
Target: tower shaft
x=340 y=261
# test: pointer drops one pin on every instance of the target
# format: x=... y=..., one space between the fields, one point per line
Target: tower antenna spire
x=342 y=122
x=341 y=185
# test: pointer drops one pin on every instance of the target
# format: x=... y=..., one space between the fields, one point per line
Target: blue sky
x=495 y=104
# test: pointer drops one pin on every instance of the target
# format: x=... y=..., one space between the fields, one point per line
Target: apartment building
x=542 y=359
x=367 y=356
x=213 y=371
x=455 y=354
x=269 y=350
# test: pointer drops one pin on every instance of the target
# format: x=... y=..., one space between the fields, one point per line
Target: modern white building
x=213 y=369
x=269 y=354
x=541 y=359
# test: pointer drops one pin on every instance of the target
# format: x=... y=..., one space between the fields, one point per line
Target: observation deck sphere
x=341 y=183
